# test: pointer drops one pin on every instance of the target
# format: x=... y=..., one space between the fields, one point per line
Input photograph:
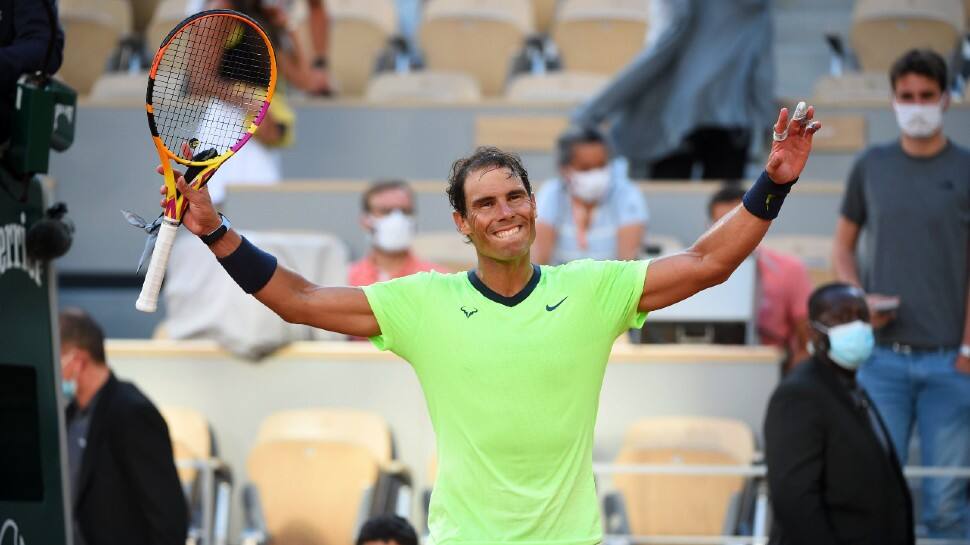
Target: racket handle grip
x=148 y=299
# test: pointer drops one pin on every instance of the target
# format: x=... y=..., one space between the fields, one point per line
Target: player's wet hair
x=484 y=157
x=924 y=62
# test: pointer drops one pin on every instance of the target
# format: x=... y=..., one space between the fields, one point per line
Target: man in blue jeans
x=912 y=199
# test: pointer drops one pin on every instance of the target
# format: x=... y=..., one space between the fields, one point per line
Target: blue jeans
x=926 y=390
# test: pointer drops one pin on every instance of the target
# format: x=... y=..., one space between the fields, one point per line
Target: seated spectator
x=784 y=286
x=833 y=473
x=387 y=530
x=124 y=487
x=592 y=210
x=388 y=218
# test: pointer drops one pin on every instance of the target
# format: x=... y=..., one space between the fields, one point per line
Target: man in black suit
x=125 y=489
x=832 y=472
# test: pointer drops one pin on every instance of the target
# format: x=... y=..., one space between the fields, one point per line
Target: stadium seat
x=167 y=14
x=92 y=31
x=363 y=428
x=600 y=36
x=116 y=87
x=359 y=30
x=814 y=250
x=311 y=492
x=545 y=12
x=568 y=87
x=682 y=504
x=447 y=248
x=192 y=442
x=882 y=30
x=857 y=87
x=478 y=37
x=424 y=86
x=142 y=12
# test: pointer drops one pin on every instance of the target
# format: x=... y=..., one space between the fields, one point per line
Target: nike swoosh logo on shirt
x=554 y=307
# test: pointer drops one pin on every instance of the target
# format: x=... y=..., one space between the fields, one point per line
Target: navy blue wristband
x=249 y=266
x=764 y=198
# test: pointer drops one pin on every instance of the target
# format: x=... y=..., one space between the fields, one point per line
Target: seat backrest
x=477 y=37
x=92 y=30
x=814 y=250
x=545 y=12
x=882 y=30
x=191 y=439
x=311 y=490
x=600 y=36
x=680 y=504
x=119 y=87
x=569 y=87
x=855 y=87
x=142 y=13
x=446 y=248
x=425 y=86
x=359 y=31
x=168 y=13
x=363 y=428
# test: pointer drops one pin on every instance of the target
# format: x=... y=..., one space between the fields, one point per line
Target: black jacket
x=830 y=480
x=128 y=489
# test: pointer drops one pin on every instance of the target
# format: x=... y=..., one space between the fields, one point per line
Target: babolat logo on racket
x=194 y=143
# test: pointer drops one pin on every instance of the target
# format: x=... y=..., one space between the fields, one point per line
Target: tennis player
x=511 y=355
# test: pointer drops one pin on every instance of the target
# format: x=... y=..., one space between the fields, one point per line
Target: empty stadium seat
x=478 y=37
x=544 y=12
x=814 y=250
x=447 y=248
x=189 y=432
x=556 y=87
x=142 y=12
x=858 y=87
x=600 y=36
x=682 y=504
x=167 y=14
x=882 y=30
x=423 y=86
x=364 y=428
x=92 y=31
x=312 y=492
x=115 y=87
x=359 y=30
x=192 y=443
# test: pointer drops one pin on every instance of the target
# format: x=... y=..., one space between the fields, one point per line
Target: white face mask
x=919 y=120
x=590 y=185
x=393 y=232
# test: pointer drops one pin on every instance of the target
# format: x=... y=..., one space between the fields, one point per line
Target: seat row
x=320 y=472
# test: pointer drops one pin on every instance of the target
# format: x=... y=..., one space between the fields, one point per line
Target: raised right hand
x=200 y=217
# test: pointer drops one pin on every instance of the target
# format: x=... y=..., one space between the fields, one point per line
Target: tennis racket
x=209 y=88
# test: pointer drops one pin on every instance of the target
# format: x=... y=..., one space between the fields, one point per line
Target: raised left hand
x=788 y=157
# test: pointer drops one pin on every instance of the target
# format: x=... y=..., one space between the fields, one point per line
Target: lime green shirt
x=512 y=386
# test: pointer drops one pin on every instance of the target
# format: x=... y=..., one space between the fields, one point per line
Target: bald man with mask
x=833 y=474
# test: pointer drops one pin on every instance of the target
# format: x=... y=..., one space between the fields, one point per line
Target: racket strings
x=211 y=82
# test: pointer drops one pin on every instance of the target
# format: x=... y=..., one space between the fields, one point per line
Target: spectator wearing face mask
x=388 y=219
x=911 y=197
x=833 y=473
x=592 y=210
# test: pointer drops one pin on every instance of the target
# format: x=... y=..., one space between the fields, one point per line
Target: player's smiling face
x=500 y=214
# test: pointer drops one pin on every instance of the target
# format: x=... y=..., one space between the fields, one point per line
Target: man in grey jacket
x=695 y=93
